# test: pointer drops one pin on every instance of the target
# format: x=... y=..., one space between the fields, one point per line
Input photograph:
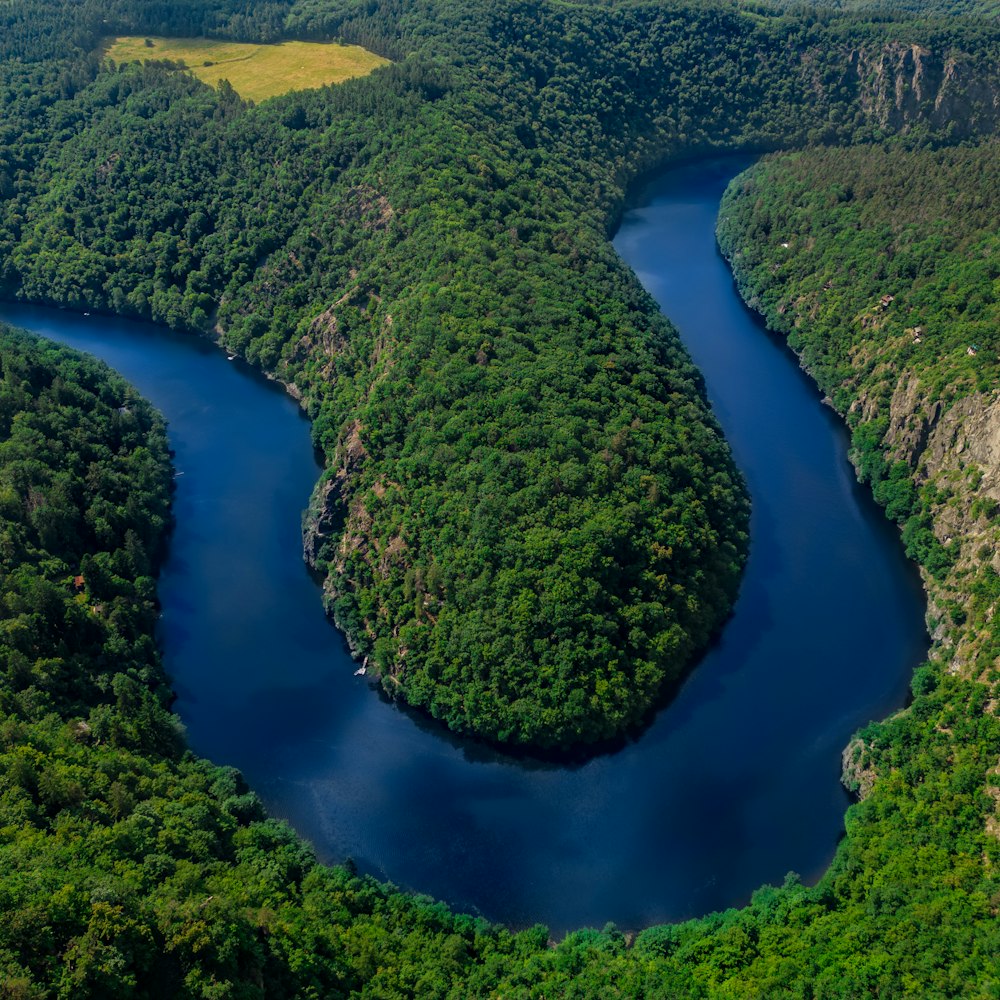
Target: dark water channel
x=733 y=785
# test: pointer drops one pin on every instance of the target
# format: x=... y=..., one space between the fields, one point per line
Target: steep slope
x=529 y=523
x=880 y=266
x=131 y=870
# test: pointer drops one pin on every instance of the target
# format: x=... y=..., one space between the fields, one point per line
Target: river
x=733 y=784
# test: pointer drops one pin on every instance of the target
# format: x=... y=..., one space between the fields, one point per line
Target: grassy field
x=255 y=71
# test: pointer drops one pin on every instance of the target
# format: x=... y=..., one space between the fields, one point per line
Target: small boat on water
x=360 y=672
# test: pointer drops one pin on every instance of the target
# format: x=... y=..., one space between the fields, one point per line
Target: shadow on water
x=730 y=786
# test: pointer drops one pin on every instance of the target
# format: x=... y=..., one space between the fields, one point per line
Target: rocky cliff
x=901 y=85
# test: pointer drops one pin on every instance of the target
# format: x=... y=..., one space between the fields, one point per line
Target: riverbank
x=912 y=850
x=528 y=840
x=915 y=381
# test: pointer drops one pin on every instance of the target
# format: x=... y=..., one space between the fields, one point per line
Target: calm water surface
x=733 y=785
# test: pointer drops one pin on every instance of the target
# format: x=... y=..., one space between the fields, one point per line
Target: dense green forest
x=880 y=266
x=132 y=869
x=529 y=521
x=984 y=9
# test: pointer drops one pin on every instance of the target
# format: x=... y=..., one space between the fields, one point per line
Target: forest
x=529 y=522
x=513 y=437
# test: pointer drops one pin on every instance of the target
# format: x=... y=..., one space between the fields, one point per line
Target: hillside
x=879 y=266
x=988 y=10
x=528 y=520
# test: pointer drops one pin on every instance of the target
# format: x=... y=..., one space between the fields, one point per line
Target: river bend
x=734 y=784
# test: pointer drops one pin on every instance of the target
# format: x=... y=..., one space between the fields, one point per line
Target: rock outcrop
x=899 y=85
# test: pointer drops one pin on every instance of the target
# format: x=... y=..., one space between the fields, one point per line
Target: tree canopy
x=528 y=521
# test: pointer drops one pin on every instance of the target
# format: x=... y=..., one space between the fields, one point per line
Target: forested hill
x=129 y=868
x=880 y=267
x=987 y=10
x=529 y=522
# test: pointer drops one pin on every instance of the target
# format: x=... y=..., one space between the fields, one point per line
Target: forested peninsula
x=528 y=521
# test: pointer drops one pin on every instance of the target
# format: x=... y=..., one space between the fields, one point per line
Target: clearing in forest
x=256 y=72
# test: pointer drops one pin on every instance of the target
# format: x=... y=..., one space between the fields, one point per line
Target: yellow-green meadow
x=256 y=72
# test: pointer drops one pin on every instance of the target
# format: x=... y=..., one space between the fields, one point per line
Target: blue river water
x=731 y=786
